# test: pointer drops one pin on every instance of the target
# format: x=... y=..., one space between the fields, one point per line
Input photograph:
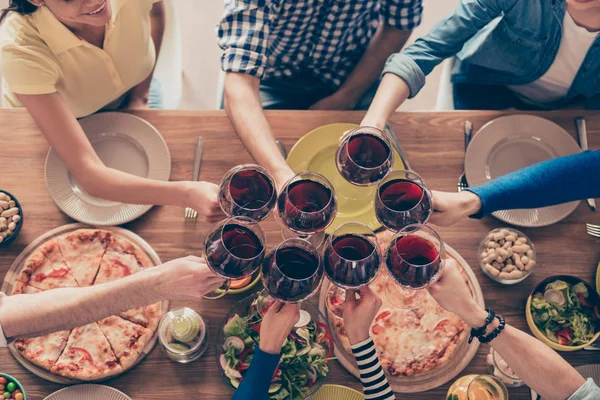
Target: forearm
x=157 y=26
x=30 y=315
x=387 y=40
x=392 y=92
x=257 y=379
x=375 y=384
x=243 y=106
x=540 y=367
x=551 y=182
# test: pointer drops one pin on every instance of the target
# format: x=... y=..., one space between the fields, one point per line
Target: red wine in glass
x=234 y=251
x=413 y=261
x=364 y=157
x=292 y=272
x=307 y=206
x=351 y=261
x=247 y=191
x=401 y=202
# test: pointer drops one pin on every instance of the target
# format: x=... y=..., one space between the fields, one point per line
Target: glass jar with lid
x=183 y=335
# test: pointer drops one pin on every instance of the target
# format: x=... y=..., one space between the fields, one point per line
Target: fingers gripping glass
x=364 y=156
x=234 y=249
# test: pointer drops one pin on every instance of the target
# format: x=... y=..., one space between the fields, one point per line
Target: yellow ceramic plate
x=598 y=279
x=337 y=392
x=315 y=151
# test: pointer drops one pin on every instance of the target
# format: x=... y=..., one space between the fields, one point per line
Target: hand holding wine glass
x=359 y=312
x=276 y=325
x=449 y=208
x=451 y=291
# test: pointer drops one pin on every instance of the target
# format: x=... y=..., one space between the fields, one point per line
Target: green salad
x=565 y=313
x=304 y=360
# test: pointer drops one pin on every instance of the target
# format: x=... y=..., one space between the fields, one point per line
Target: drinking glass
x=364 y=156
x=402 y=199
x=351 y=260
x=234 y=249
x=307 y=206
x=247 y=191
x=292 y=272
x=414 y=260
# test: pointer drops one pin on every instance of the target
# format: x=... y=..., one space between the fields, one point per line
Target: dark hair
x=23 y=7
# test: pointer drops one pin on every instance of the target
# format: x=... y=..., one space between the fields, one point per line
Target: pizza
x=409 y=340
x=102 y=349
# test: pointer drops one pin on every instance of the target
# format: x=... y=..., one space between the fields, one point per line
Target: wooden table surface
x=433 y=143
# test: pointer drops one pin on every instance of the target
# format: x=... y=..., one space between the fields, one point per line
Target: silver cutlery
x=397 y=146
x=593 y=230
x=583 y=143
x=190 y=213
x=462 y=179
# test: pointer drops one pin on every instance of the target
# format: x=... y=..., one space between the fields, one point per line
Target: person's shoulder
x=19 y=35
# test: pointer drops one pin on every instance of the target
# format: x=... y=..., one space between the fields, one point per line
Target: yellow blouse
x=39 y=55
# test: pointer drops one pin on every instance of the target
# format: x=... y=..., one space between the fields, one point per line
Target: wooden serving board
x=427 y=380
x=17 y=266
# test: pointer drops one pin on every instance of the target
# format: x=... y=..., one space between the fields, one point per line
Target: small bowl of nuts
x=11 y=217
x=507 y=256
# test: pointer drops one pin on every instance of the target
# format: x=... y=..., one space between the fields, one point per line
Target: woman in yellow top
x=66 y=59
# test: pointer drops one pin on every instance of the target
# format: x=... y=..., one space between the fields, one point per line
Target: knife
x=583 y=143
x=397 y=146
x=198 y=157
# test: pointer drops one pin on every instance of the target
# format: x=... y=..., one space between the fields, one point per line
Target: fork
x=462 y=179
x=593 y=230
x=190 y=213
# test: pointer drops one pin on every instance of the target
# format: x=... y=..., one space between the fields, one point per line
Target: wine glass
x=307 y=206
x=402 y=199
x=364 y=156
x=351 y=260
x=414 y=259
x=234 y=249
x=247 y=191
x=292 y=272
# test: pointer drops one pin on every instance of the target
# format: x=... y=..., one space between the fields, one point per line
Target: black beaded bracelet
x=479 y=332
x=494 y=334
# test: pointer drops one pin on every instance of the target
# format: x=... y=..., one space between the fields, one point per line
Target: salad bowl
x=564 y=312
x=306 y=353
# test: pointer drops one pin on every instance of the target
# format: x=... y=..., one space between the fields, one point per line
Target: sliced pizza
x=45 y=269
x=126 y=339
x=87 y=356
x=21 y=288
x=82 y=251
x=122 y=258
x=43 y=350
x=148 y=316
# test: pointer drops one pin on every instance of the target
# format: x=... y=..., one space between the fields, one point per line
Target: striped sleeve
x=375 y=384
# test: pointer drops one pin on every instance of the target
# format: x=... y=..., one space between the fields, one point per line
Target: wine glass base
x=402 y=298
x=316 y=239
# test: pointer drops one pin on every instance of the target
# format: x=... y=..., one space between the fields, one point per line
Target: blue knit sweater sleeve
x=255 y=385
x=556 y=181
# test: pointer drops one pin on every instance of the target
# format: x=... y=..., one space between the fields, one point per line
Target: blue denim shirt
x=499 y=42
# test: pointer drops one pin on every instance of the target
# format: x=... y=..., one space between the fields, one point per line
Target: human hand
x=452 y=294
x=359 y=313
x=277 y=325
x=336 y=101
x=204 y=198
x=449 y=208
x=282 y=177
x=187 y=278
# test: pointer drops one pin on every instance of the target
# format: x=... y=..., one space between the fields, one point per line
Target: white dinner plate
x=88 y=392
x=123 y=142
x=512 y=142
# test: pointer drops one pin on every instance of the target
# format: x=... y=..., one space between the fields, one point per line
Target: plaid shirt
x=324 y=38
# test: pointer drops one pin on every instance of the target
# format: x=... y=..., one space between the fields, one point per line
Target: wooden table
x=434 y=145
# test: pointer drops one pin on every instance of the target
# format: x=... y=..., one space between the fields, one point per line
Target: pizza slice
x=126 y=339
x=45 y=269
x=21 y=288
x=148 y=316
x=82 y=251
x=122 y=258
x=87 y=356
x=43 y=350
